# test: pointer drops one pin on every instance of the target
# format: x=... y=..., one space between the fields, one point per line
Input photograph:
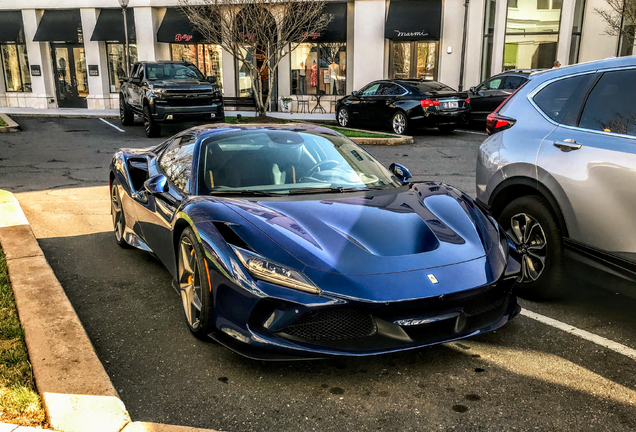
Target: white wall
x=452 y=31
x=368 y=55
x=474 y=43
x=595 y=44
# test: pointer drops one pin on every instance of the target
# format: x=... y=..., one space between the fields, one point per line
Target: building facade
x=71 y=53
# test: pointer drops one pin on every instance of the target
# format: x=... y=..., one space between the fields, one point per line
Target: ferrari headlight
x=271 y=271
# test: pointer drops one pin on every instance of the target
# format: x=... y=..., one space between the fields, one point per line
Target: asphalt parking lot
x=529 y=375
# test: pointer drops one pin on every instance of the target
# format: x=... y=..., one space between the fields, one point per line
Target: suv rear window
x=611 y=106
x=556 y=99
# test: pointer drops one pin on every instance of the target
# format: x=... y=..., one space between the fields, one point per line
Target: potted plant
x=285 y=104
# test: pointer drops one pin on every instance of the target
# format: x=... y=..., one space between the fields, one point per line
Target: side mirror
x=211 y=79
x=472 y=89
x=354 y=93
x=400 y=172
x=156 y=185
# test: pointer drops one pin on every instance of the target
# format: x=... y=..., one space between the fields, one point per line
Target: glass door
x=416 y=59
x=71 y=76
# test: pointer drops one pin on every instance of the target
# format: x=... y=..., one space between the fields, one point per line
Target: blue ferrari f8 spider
x=294 y=242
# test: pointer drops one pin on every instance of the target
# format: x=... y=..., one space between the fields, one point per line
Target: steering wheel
x=319 y=164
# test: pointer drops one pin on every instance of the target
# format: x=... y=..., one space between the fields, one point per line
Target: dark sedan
x=487 y=96
x=405 y=104
x=293 y=241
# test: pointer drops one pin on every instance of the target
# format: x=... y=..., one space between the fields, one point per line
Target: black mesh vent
x=189 y=101
x=333 y=324
x=484 y=303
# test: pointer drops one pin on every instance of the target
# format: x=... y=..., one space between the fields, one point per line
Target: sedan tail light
x=428 y=103
x=497 y=123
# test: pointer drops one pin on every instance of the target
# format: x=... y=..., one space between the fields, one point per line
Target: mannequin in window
x=333 y=75
x=313 y=74
x=302 y=78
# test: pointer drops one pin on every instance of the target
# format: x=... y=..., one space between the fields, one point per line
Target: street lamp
x=124 y=6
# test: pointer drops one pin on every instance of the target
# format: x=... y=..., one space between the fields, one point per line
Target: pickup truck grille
x=194 y=101
x=182 y=92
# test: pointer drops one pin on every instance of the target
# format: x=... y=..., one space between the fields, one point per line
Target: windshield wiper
x=243 y=192
x=339 y=189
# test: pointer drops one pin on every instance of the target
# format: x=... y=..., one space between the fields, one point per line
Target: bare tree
x=620 y=17
x=258 y=33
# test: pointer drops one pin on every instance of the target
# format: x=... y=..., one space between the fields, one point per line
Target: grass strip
x=2 y=122
x=19 y=400
x=358 y=134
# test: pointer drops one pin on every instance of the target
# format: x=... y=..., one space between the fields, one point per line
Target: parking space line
x=598 y=340
x=110 y=124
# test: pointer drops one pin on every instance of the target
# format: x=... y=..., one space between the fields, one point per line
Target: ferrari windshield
x=287 y=162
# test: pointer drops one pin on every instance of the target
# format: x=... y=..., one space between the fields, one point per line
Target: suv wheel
x=125 y=114
x=152 y=128
x=534 y=229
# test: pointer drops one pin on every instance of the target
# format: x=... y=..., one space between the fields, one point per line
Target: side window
x=492 y=84
x=556 y=99
x=513 y=82
x=176 y=161
x=371 y=90
x=611 y=106
x=388 y=89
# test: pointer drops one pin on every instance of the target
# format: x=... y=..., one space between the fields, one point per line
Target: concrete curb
x=76 y=392
x=11 y=126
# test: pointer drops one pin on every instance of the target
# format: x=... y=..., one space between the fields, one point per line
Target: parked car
x=295 y=242
x=405 y=104
x=487 y=96
x=558 y=172
x=168 y=91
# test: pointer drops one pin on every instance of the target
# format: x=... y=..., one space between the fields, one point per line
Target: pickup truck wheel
x=152 y=128
x=125 y=114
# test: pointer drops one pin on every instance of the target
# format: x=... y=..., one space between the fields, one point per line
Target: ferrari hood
x=422 y=226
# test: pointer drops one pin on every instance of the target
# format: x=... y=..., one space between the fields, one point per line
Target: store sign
x=35 y=70
x=421 y=34
x=93 y=70
x=182 y=37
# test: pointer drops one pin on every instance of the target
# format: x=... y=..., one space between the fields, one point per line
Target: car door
x=387 y=95
x=367 y=102
x=589 y=162
x=175 y=162
x=483 y=100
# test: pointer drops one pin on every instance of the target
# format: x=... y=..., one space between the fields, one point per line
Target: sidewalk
x=83 y=112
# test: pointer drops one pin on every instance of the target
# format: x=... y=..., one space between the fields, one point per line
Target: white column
x=474 y=43
x=351 y=11
x=499 y=38
x=146 y=32
x=368 y=56
x=284 y=76
x=229 y=74
x=95 y=54
x=565 y=32
x=39 y=53
x=595 y=44
x=451 y=37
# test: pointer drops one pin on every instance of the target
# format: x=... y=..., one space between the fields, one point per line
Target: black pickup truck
x=168 y=91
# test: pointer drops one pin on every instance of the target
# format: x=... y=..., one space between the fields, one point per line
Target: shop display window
x=319 y=68
x=207 y=57
x=15 y=63
x=416 y=59
x=117 y=62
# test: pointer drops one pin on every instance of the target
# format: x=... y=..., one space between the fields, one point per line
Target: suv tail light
x=428 y=103
x=497 y=123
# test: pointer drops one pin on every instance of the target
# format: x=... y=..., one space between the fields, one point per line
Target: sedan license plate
x=451 y=104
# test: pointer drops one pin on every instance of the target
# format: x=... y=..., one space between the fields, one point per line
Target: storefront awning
x=176 y=28
x=413 y=20
x=336 y=31
x=110 y=26
x=10 y=25
x=59 y=26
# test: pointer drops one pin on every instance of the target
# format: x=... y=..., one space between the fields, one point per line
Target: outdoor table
x=318 y=106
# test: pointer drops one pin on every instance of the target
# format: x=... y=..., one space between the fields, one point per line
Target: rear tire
x=533 y=227
x=446 y=129
x=152 y=128
x=400 y=123
x=125 y=114
x=193 y=284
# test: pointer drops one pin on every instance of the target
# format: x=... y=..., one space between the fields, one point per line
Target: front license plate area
x=448 y=105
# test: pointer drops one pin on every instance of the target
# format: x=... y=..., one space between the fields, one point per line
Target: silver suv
x=558 y=171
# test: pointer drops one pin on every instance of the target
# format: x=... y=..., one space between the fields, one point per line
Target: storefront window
x=489 y=32
x=577 y=27
x=416 y=59
x=116 y=62
x=319 y=68
x=17 y=77
x=626 y=39
x=532 y=34
x=207 y=57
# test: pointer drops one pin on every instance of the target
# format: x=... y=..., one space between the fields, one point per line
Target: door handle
x=567 y=145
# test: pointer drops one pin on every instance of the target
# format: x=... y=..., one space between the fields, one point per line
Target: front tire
x=400 y=123
x=194 y=284
x=125 y=114
x=117 y=212
x=152 y=128
x=533 y=227
x=344 y=117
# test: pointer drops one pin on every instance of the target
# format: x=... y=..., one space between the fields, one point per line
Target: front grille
x=484 y=303
x=189 y=101
x=184 y=92
x=332 y=324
